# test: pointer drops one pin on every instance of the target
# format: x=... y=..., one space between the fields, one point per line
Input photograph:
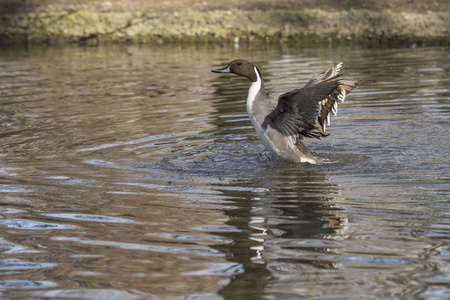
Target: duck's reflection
x=291 y=220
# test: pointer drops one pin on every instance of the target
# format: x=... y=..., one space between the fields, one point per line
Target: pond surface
x=135 y=173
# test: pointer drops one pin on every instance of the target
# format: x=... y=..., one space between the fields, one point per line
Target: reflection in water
x=129 y=173
x=293 y=213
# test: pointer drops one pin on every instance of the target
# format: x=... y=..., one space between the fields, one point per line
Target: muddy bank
x=306 y=27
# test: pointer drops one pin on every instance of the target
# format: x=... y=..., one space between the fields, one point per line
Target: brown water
x=135 y=173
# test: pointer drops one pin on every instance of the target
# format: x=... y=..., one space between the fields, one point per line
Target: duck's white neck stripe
x=253 y=90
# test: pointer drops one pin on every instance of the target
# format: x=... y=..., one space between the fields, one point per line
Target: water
x=135 y=173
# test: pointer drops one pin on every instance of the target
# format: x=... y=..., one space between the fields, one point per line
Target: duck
x=298 y=114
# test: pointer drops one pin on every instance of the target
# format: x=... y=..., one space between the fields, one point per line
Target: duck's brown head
x=240 y=67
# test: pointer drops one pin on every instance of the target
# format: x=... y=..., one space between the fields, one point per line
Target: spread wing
x=306 y=111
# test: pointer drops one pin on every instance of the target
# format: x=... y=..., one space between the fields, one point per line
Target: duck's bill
x=223 y=70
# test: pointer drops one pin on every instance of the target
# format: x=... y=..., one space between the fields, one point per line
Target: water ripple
x=26 y=284
x=16 y=264
x=132 y=246
x=100 y=294
x=33 y=225
x=91 y=218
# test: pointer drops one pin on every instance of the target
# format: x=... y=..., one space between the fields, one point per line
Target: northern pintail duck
x=303 y=112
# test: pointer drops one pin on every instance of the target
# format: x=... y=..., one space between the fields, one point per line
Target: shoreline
x=307 y=27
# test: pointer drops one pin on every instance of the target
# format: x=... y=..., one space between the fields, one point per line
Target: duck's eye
x=239 y=64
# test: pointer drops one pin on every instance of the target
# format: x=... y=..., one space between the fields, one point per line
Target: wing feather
x=306 y=111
